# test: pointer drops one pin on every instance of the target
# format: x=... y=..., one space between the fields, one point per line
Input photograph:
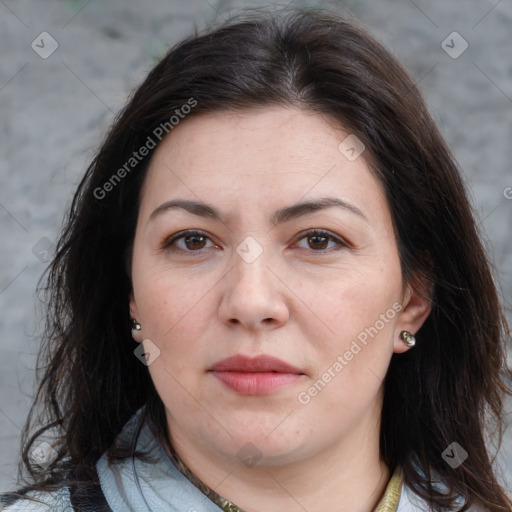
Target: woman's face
x=267 y=344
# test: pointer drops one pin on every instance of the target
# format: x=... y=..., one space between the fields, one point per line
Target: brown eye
x=318 y=241
x=188 y=242
x=194 y=241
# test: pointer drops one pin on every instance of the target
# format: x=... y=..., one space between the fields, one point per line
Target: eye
x=187 y=241
x=318 y=240
x=194 y=241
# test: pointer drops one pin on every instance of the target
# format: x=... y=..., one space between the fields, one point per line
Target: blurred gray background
x=66 y=68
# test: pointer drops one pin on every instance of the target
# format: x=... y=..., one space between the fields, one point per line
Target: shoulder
x=57 y=501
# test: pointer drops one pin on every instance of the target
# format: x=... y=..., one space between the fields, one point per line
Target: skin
x=302 y=300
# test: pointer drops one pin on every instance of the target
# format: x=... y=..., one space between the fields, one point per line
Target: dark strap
x=88 y=496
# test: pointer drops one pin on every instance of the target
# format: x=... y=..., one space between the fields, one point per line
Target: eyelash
x=167 y=243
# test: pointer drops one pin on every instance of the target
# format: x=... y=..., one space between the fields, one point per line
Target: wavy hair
x=449 y=388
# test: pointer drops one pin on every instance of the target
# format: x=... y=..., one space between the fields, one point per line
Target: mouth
x=261 y=375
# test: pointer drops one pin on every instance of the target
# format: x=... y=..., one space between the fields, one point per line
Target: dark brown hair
x=448 y=389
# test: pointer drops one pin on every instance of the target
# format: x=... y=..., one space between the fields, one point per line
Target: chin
x=254 y=446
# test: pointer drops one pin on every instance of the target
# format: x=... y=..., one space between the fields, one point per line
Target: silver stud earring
x=136 y=326
x=408 y=338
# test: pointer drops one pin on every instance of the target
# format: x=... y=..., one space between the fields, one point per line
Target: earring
x=408 y=338
x=135 y=325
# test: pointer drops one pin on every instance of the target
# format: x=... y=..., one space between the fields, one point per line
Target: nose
x=254 y=295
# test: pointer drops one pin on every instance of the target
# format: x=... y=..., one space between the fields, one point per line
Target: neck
x=348 y=477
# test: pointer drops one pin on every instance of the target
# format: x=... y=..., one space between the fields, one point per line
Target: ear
x=416 y=307
x=134 y=315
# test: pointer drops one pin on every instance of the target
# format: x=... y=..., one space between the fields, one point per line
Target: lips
x=257 y=364
x=261 y=375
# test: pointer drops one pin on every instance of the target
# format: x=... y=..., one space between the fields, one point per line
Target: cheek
x=173 y=316
x=360 y=310
x=171 y=302
x=355 y=300
x=176 y=318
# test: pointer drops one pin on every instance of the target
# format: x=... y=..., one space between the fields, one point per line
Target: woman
x=270 y=294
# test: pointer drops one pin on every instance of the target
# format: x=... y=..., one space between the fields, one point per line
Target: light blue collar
x=133 y=485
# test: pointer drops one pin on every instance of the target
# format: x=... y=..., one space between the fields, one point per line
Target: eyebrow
x=282 y=215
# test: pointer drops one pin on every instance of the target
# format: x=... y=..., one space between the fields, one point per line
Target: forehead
x=257 y=156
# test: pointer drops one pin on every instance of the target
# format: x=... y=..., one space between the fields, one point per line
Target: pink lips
x=260 y=375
